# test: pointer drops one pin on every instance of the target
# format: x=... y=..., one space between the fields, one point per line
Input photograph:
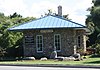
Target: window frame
x=57 y=42
x=39 y=43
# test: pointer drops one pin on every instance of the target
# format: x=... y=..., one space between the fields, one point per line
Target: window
x=39 y=43
x=79 y=41
x=57 y=42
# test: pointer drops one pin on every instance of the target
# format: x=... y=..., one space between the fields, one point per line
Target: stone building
x=42 y=35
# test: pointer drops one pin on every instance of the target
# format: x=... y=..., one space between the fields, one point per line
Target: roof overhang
x=86 y=29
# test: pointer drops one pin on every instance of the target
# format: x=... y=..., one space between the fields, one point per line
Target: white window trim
x=36 y=43
x=60 y=42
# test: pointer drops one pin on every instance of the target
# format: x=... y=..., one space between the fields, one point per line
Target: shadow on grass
x=92 y=62
x=95 y=56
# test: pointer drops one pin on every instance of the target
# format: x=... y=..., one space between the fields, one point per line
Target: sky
x=35 y=8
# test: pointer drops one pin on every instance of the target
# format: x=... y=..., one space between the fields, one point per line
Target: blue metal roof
x=48 y=22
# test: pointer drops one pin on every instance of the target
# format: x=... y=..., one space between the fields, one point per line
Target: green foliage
x=15 y=15
x=55 y=14
x=10 y=39
x=96 y=2
x=97 y=47
x=2 y=52
x=93 y=22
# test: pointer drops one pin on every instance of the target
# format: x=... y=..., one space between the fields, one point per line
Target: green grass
x=88 y=61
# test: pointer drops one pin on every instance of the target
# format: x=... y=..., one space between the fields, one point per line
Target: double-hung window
x=57 y=42
x=39 y=43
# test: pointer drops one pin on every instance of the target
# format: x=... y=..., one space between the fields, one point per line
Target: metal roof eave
x=48 y=28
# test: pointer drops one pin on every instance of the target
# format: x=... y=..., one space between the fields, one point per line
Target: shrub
x=97 y=48
x=2 y=52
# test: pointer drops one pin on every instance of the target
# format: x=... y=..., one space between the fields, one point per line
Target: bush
x=2 y=52
x=90 y=51
x=14 y=52
x=97 y=48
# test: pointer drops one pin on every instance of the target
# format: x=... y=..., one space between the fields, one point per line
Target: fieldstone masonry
x=68 y=42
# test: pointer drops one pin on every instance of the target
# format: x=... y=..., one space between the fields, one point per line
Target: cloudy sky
x=75 y=8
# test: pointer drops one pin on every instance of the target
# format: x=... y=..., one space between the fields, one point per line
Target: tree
x=93 y=23
x=15 y=15
x=55 y=14
x=10 y=39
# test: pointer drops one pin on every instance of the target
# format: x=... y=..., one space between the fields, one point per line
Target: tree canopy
x=93 y=23
x=7 y=38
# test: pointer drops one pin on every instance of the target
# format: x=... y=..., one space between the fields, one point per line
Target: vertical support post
x=74 y=49
x=75 y=42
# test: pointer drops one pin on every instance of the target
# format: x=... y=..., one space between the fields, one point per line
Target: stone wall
x=68 y=41
x=82 y=34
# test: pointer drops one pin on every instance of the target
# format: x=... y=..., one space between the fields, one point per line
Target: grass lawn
x=88 y=61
